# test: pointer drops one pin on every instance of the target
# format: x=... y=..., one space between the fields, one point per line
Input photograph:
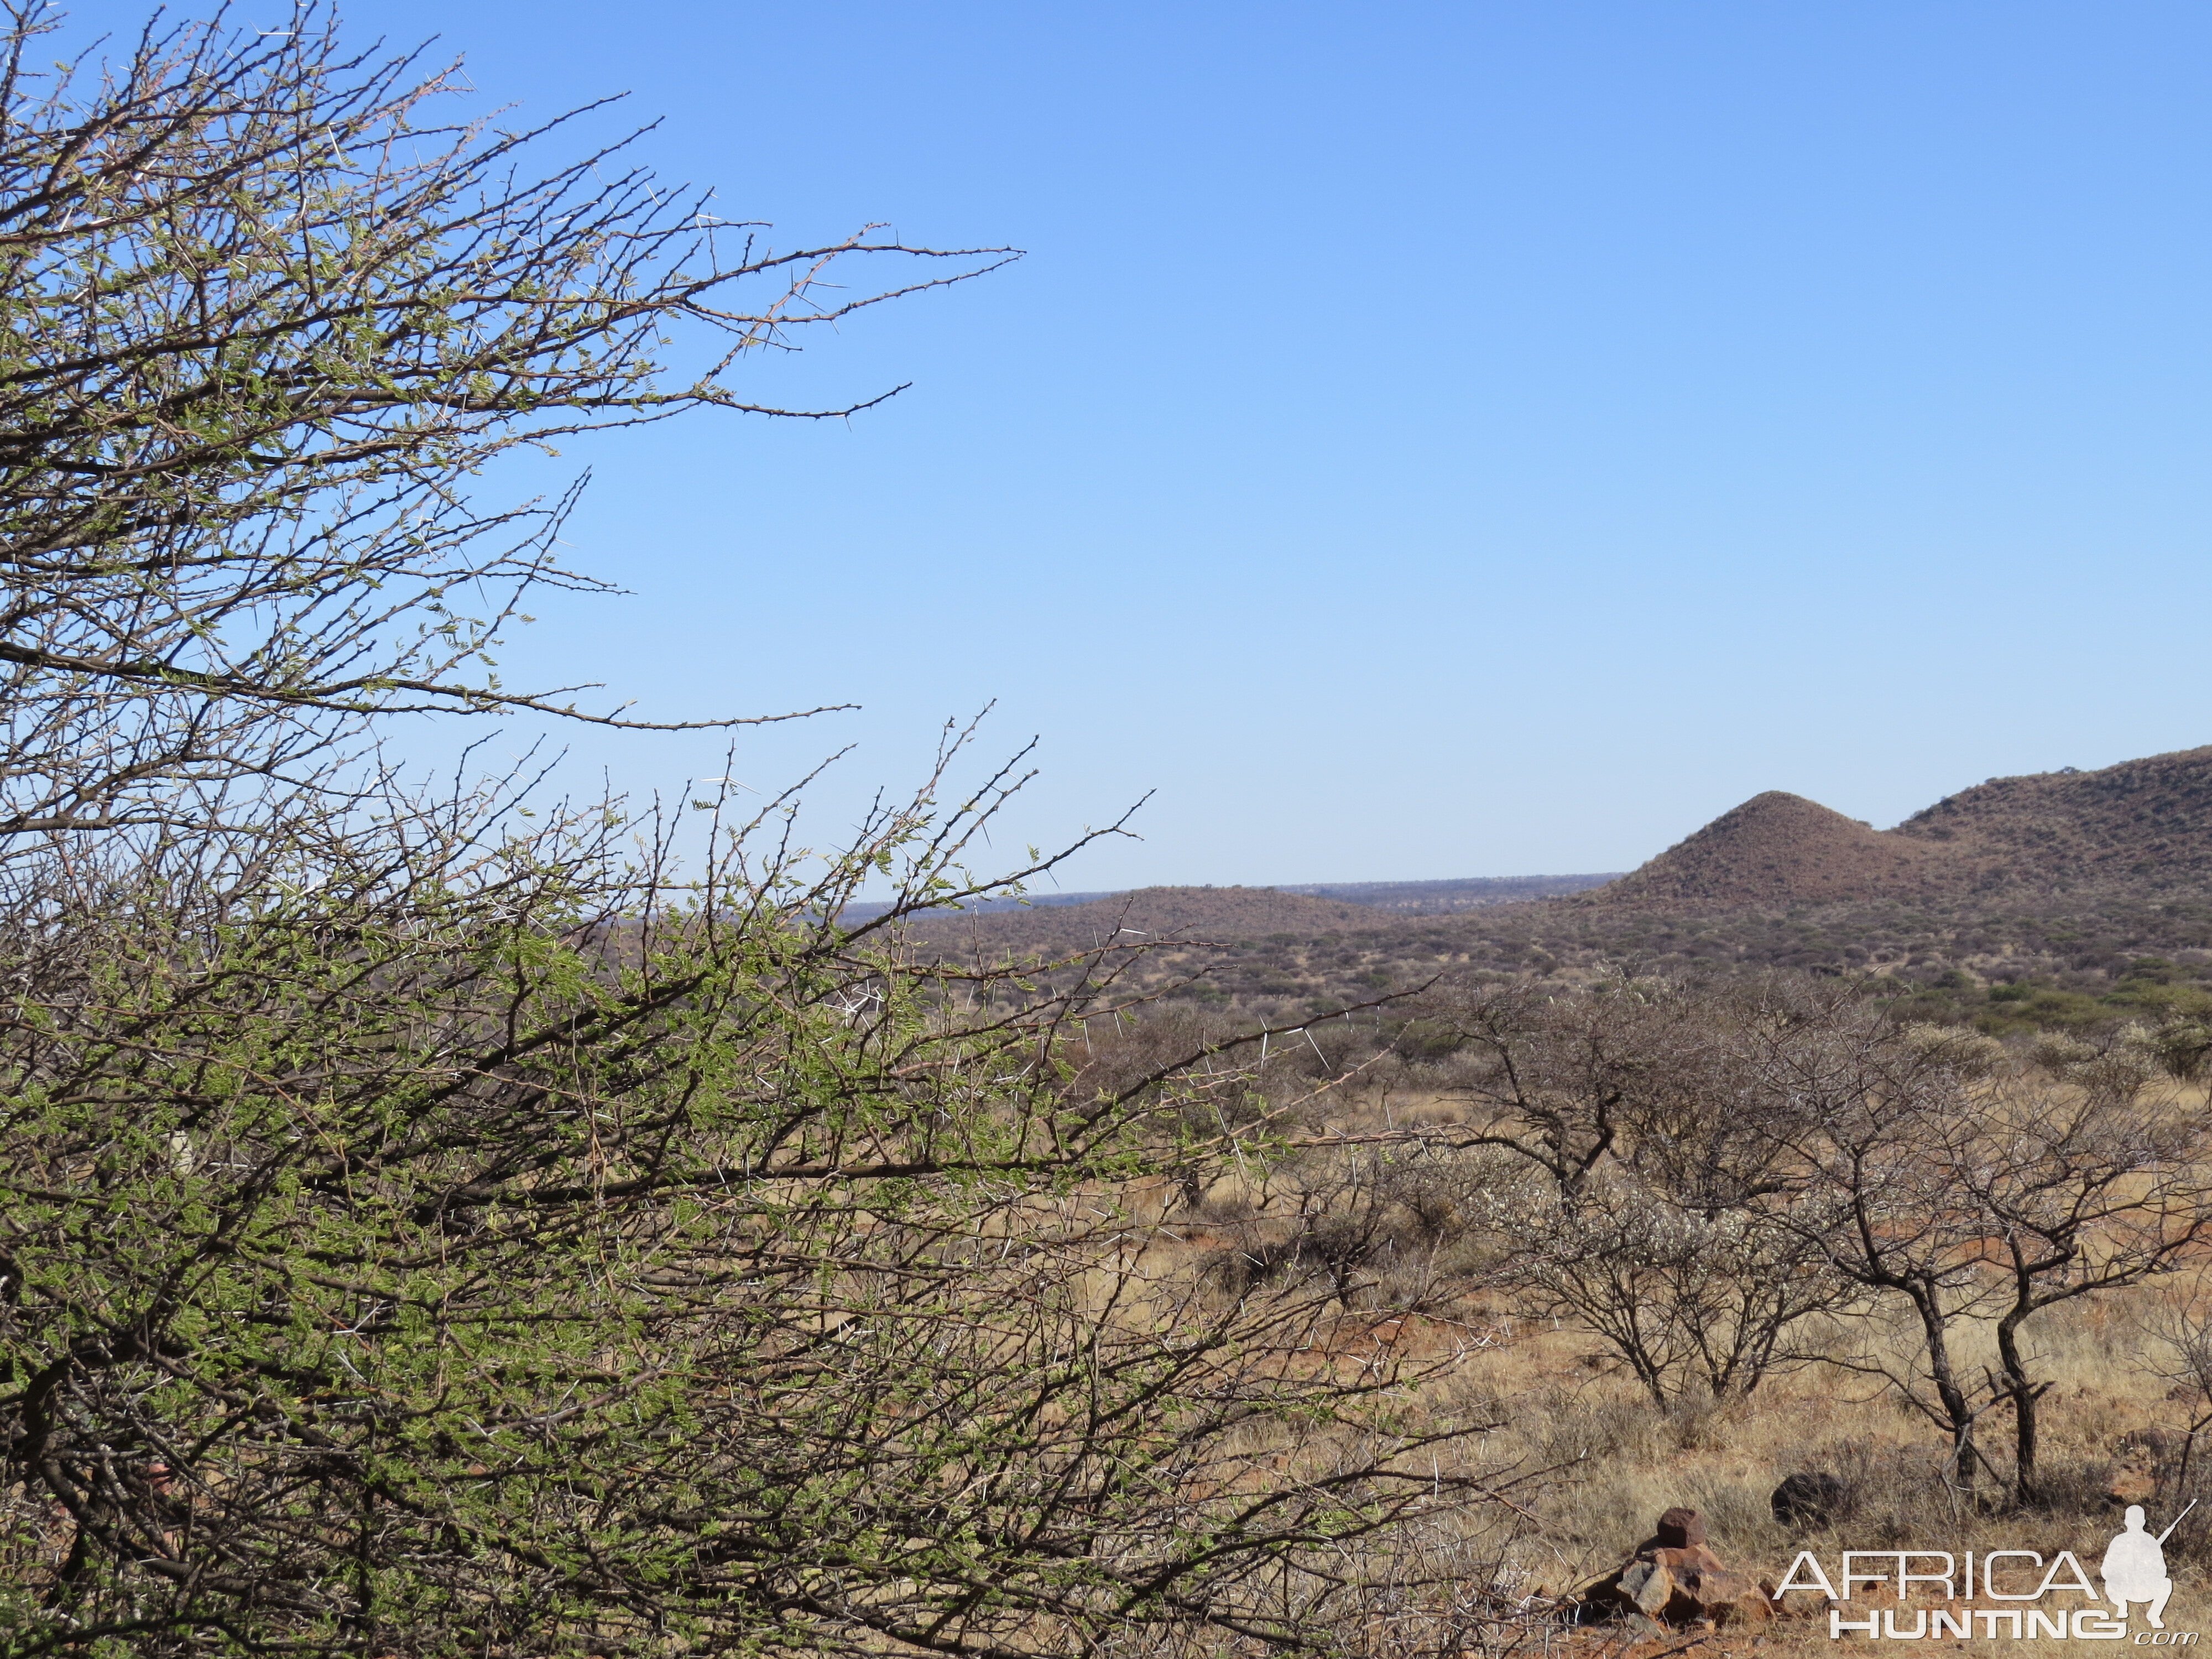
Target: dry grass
x=1615 y=1462
x=1605 y=1460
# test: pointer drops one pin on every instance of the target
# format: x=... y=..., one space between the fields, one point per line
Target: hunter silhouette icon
x=2133 y=1568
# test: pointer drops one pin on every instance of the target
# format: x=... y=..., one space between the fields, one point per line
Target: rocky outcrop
x=1674 y=1582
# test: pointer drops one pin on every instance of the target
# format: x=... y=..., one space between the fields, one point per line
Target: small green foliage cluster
x=2150 y=990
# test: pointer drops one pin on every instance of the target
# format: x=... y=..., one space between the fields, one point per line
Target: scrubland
x=1605 y=1231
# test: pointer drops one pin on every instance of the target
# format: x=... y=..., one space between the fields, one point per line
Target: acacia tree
x=1873 y=1120
x=1708 y=1299
x=1971 y=1197
x=1566 y=1083
x=451 y=1259
x=269 y=306
x=2084 y=1191
x=424 y=1231
x=1661 y=1224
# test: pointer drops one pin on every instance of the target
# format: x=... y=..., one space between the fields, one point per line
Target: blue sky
x=1424 y=440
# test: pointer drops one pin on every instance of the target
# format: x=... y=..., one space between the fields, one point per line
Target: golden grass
x=1611 y=1461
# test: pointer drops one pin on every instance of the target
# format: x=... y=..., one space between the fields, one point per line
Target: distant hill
x=2140 y=827
x=2144 y=824
x=1442 y=897
x=1148 y=913
x=2055 y=898
x=1778 y=848
x=1409 y=897
x=868 y=908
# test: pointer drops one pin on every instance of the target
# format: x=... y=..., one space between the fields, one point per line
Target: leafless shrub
x=1693 y=1303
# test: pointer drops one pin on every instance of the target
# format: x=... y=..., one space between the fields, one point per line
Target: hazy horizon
x=1435 y=439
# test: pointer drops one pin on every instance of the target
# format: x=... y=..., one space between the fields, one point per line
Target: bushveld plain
x=437 y=1221
x=1593 y=1164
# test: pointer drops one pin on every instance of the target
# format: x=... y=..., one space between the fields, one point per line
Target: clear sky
x=1426 y=440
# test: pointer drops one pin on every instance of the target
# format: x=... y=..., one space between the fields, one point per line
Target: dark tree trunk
x=2024 y=1397
x=1959 y=1412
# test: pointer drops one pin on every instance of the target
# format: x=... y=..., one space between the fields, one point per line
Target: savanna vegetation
x=432 y=1223
x=2088 y=965
x=1717 y=1232
x=438 y=1222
